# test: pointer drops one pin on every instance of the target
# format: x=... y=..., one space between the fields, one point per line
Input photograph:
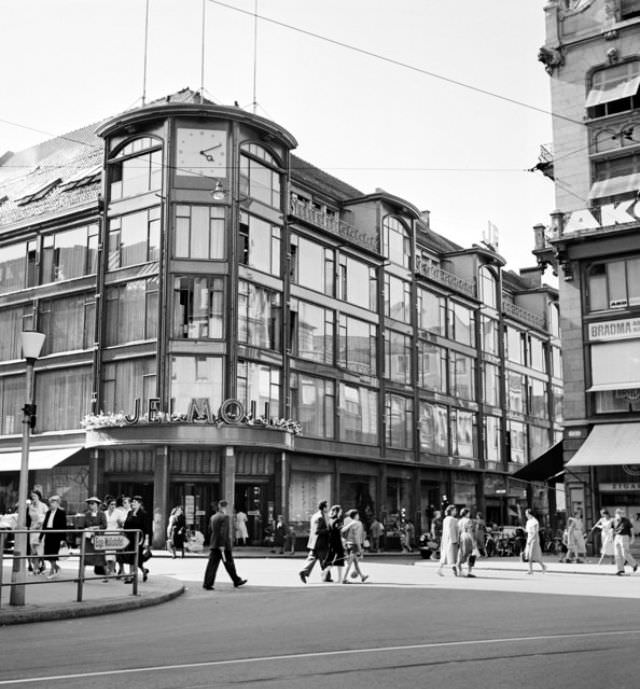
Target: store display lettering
x=619 y=487
x=230 y=412
x=610 y=214
x=624 y=329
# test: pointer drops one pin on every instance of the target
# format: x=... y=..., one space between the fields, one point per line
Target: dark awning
x=544 y=467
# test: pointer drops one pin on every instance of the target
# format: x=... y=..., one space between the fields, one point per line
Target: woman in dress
x=532 y=549
x=176 y=531
x=94 y=520
x=575 y=538
x=137 y=519
x=353 y=534
x=112 y=515
x=605 y=524
x=335 y=556
x=36 y=513
x=242 y=534
x=466 y=540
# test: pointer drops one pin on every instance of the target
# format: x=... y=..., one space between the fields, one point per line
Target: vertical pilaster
x=161 y=494
x=228 y=477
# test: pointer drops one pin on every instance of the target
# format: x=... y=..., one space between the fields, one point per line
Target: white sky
x=461 y=154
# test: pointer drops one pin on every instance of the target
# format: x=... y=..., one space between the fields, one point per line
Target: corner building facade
x=592 y=54
x=206 y=294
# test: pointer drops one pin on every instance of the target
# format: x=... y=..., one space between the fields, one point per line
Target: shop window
x=614 y=90
x=312 y=265
x=396 y=241
x=397 y=357
x=614 y=285
x=358 y=414
x=313 y=405
x=136 y=169
x=398 y=421
x=198 y=307
x=434 y=428
x=431 y=312
x=356 y=345
x=259 y=316
x=432 y=366
x=259 y=244
x=397 y=298
x=134 y=239
x=312 y=331
x=199 y=232
x=357 y=283
x=132 y=312
x=68 y=323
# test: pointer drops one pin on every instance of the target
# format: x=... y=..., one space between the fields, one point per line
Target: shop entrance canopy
x=546 y=466
x=609 y=444
x=38 y=459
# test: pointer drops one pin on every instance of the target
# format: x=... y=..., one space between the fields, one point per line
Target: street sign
x=110 y=541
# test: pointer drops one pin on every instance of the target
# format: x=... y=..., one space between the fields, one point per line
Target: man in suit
x=54 y=520
x=220 y=544
x=318 y=543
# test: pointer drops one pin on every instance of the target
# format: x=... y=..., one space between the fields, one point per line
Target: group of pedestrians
x=336 y=541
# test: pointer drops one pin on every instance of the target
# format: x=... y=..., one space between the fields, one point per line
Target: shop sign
x=624 y=329
x=620 y=213
x=619 y=487
x=110 y=541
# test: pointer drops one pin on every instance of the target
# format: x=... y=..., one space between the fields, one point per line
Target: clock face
x=201 y=152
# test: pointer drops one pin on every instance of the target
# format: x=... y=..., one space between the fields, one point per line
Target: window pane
x=313 y=401
x=195 y=377
x=62 y=397
x=358 y=414
x=13 y=267
x=314 y=333
x=434 y=429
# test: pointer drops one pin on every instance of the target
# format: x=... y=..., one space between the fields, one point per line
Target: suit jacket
x=220 y=531
x=52 y=540
x=318 y=532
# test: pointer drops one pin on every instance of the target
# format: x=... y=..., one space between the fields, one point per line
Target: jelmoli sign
x=620 y=213
x=623 y=329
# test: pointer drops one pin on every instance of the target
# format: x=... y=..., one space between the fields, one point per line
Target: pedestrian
x=353 y=534
x=241 y=532
x=221 y=544
x=575 y=538
x=466 y=542
x=318 y=542
x=290 y=540
x=35 y=517
x=55 y=520
x=480 y=533
x=532 y=550
x=376 y=531
x=335 y=553
x=621 y=542
x=179 y=531
x=449 y=542
x=113 y=524
x=137 y=520
x=605 y=525
x=123 y=507
x=94 y=520
x=279 y=535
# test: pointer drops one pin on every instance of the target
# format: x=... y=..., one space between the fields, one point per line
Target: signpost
x=110 y=541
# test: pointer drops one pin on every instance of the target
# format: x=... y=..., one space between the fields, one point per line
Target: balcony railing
x=332 y=224
x=444 y=277
x=522 y=314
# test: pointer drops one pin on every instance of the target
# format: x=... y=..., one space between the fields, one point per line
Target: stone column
x=161 y=507
x=228 y=477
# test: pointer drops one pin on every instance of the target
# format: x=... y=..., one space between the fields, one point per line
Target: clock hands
x=208 y=156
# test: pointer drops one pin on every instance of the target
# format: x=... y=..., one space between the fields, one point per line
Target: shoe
x=346 y=581
x=620 y=574
x=52 y=575
x=303 y=577
x=328 y=578
x=106 y=581
x=440 y=573
x=127 y=580
x=635 y=567
x=455 y=571
x=364 y=578
x=207 y=588
x=471 y=576
x=239 y=582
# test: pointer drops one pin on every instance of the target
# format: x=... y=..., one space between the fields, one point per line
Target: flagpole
x=204 y=19
x=146 y=47
x=255 y=54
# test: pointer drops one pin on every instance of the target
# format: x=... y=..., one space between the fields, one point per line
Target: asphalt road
x=280 y=637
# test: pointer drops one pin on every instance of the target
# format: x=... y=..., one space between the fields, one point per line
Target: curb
x=85 y=609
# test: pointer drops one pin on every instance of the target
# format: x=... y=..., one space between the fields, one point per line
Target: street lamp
x=32 y=342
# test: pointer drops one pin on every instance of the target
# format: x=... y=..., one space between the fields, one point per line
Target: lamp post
x=32 y=342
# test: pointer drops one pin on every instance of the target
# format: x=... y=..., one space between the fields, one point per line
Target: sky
x=395 y=122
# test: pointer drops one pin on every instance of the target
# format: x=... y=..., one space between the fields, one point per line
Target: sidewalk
x=57 y=600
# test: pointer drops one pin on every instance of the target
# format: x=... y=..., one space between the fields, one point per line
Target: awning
x=607 y=387
x=613 y=186
x=614 y=91
x=608 y=445
x=38 y=459
x=544 y=467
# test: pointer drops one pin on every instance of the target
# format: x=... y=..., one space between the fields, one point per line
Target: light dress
x=37 y=513
x=605 y=524
x=533 y=552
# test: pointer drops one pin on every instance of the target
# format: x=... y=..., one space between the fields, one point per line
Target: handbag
x=64 y=552
x=146 y=554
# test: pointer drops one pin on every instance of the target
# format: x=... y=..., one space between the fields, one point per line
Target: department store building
x=224 y=319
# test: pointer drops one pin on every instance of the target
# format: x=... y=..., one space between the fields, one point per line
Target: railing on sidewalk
x=104 y=542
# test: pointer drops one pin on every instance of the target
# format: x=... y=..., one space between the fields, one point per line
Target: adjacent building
x=592 y=54
x=224 y=319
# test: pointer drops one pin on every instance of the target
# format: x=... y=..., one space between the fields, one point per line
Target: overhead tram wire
x=398 y=63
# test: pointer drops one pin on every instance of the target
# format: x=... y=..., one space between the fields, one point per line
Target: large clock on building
x=201 y=152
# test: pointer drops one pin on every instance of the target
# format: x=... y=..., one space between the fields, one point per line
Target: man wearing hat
x=220 y=545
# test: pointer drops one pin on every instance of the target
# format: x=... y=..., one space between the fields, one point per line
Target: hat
x=94 y=499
